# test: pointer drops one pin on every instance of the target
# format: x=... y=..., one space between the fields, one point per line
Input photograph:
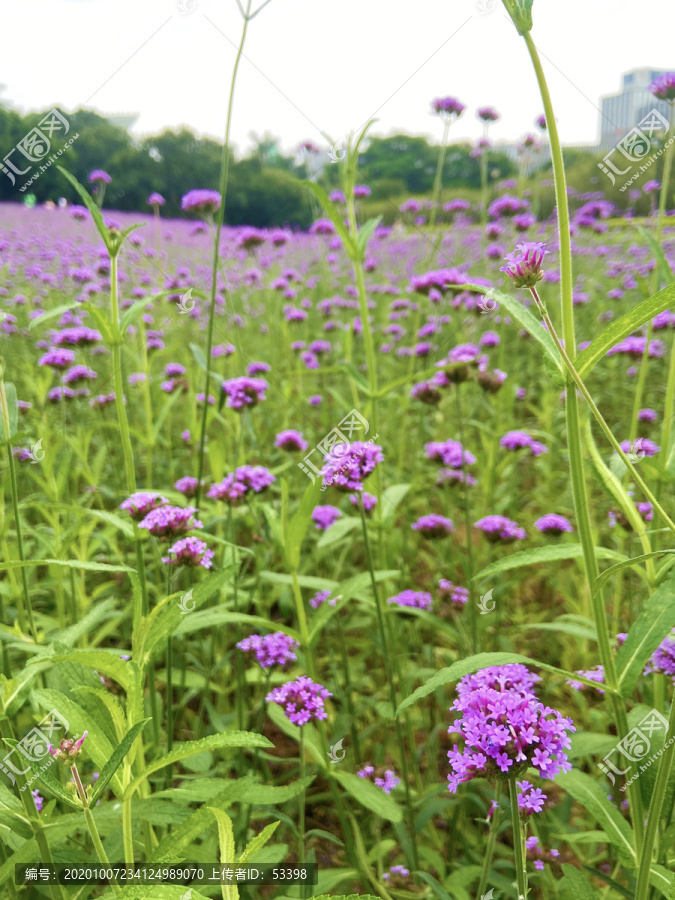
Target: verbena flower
x=244 y=391
x=290 y=440
x=516 y=440
x=433 y=526
x=597 y=674
x=321 y=597
x=302 y=699
x=553 y=524
x=325 y=516
x=68 y=750
x=447 y=106
x=415 y=599
x=189 y=551
x=387 y=783
x=499 y=529
x=369 y=501
x=141 y=503
x=506 y=729
x=167 y=521
x=187 y=486
x=57 y=358
x=98 y=176
x=201 y=201
x=155 y=199
x=270 y=649
x=450 y=453
x=524 y=264
x=457 y=595
x=663 y=87
x=350 y=464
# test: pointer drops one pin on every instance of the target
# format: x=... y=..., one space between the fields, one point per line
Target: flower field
x=344 y=551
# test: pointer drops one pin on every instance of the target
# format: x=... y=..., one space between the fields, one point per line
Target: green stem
x=489 y=851
x=91 y=825
x=438 y=178
x=220 y=217
x=301 y=810
x=655 y=807
x=518 y=841
x=668 y=412
x=24 y=609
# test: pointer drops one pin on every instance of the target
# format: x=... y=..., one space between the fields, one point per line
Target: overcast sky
x=313 y=66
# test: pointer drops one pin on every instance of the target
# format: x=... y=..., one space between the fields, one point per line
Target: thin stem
x=301 y=810
x=655 y=807
x=518 y=841
x=24 y=610
x=489 y=850
x=220 y=216
x=91 y=825
x=438 y=178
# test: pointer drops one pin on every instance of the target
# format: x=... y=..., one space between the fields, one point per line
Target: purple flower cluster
x=200 y=201
x=167 y=521
x=325 y=516
x=553 y=524
x=449 y=453
x=523 y=266
x=290 y=440
x=433 y=526
x=235 y=485
x=189 y=551
x=414 y=599
x=457 y=595
x=270 y=649
x=301 y=699
x=516 y=440
x=447 y=106
x=141 y=503
x=350 y=464
x=500 y=530
x=506 y=729
x=321 y=597
x=244 y=391
x=388 y=783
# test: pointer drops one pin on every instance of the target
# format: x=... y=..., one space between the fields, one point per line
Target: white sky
x=326 y=65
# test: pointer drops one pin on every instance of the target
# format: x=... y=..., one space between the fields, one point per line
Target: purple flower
x=516 y=440
x=506 y=729
x=447 y=107
x=201 y=201
x=499 y=529
x=663 y=658
x=79 y=336
x=369 y=501
x=187 y=486
x=98 y=176
x=524 y=264
x=553 y=524
x=647 y=415
x=449 y=453
x=325 y=516
x=433 y=526
x=290 y=440
x=57 y=358
x=321 y=597
x=255 y=367
x=244 y=391
x=257 y=478
x=39 y=801
x=488 y=114
x=458 y=596
x=79 y=373
x=68 y=750
x=597 y=674
x=270 y=649
x=350 y=464
x=414 y=599
x=663 y=87
x=640 y=447
x=396 y=870
x=302 y=700
x=361 y=190
x=155 y=199
x=189 y=551
x=388 y=783
x=141 y=503
x=167 y=521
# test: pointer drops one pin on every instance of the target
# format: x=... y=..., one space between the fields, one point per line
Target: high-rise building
x=623 y=111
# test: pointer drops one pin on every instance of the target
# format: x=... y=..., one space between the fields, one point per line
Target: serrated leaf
x=218 y=616
x=622 y=328
x=258 y=842
x=544 y=554
x=87 y=564
x=613 y=570
x=655 y=622
x=575 y=886
x=593 y=799
x=271 y=794
x=50 y=314
x=228 y=739
x=226 y=842
x=281 y=720
x=45 y=777
x=116 y=759
x=370 y=796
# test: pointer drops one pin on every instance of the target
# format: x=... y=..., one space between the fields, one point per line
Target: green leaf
x=281 y=720
x=299 y=523
x=655 y=622
x=662 y=880
x=364 y=234
x=218 y=616
x=339 y=529
x=613 y=570
x=226 y=841
x=544 y=554
x=258 y=842
x=370 y=796
x=457 y=670
x=199 y=356
x=622 y=328
x=575 y=886
x=52 y=313
x=334 y=214
x=65 y=563
x=46 y=778
x=391 y=498
x=592 y=797
x=526 y=320
x=270 y=794
x=96 y=215
x=352 y=587
x=666 y=272
x=115 y=760
x=12 y=412
x=228 y=739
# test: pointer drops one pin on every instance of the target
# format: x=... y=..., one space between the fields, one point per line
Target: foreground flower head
x=270 y=649
x=301 y=699
x=156 y=199
x=244 y=391
x=189 y=551
x=524 y=264
x=663 y=87
x=68 y=750
x=447 y=106
x=167 y=521
x=98 y=176
x=348 y=465
x=506 y=729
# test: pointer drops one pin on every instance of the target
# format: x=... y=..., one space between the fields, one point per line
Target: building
x=623 y=111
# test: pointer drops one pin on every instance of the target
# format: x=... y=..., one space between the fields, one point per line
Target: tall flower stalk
x=218 y=222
